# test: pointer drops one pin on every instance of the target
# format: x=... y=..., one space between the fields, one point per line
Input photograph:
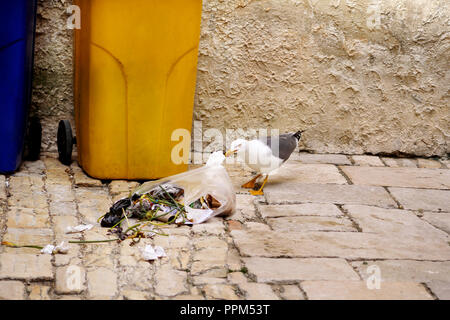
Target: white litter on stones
x=79 y=228
x=51 y=249
x=149 y=253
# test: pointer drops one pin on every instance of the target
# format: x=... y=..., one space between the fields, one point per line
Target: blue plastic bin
x=17 y=26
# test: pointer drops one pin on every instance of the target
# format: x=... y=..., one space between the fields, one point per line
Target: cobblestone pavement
x=326 y=228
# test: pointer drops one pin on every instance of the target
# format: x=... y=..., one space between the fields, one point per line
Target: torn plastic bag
x=205 y=192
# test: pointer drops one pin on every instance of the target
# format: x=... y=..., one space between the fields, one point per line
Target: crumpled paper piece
x=79 y=228
x=150 y=253
x=51 y=249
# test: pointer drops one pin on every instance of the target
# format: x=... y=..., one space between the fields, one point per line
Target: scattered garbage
x=184 y=199
x=79 y=228
x=149 y=253
x=188 y=198
x=51 y=249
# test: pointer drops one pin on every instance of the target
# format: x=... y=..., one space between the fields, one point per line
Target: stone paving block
x=27 y=218
x=245 y=208
x=357 y=290
x=347 y=245
x=26 y=184
x=212 y=226
x=2 y=187
x=172 y=241
x=82 y=179
x=139 y=278
x=209 y=258
x=393 y=221
x=102 y=283
x=237 y=278
x=70 y=279
x=189 y=297
x=328 y=193
x=220 y=291
x=258 y=291
x=445 y=162
x=53 y=163
x=303 y=209
x=286 y=271
x=371 y=161
x=400 y=162
x=338 y=159
x=58 y=177
x=39 y=237
x=170 y=282
x=428 y=163
x=135 y=295
x=92 y=203
x=440 y=220
x=234 y=225
x=257 y=227
x=177 y=258
x=63 y=208
x=291 y=292
x=210 y=242
x=201 y=280
x=39 y=292
x=12 y=290
x=441 y=289
x=25 y=266
x=233 y=259
x=405 y=270
x=60 y=224
x=92 y=261
x=306 y=223
x=33 y=167
x=399 y=177
x=122 y=186
x=293 y=172
x=28 y=200
x=422 y=199
x=60 y=193
x=72 y=257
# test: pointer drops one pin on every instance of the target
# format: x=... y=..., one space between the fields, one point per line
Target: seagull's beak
x=230 y=152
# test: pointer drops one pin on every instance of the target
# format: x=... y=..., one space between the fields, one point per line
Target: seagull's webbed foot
x=251 y=183
x=256 y=192
x=260 y=191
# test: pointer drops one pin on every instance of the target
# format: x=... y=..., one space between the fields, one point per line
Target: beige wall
x=322 y=65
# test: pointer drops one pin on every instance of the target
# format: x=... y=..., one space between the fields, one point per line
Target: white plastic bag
x=211 y=179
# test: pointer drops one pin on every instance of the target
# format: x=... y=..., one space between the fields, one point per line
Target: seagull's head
x=236 y=146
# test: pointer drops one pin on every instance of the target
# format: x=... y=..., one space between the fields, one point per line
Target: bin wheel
x=34 y=139
x=65 y=142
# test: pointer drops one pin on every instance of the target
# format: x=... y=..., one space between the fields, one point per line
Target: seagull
x=264 y=155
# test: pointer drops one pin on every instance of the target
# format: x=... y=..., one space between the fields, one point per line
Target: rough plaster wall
x=321 y=65
x=53 y=69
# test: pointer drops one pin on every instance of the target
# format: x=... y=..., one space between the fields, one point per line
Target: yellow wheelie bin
x=135 y=75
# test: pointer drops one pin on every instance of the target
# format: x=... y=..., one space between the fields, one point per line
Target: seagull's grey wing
x=286 y=144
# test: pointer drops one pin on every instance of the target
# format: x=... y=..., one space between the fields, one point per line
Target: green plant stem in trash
x=93 y=241
x=118 y=223
x=171 y=198
x=98 y=220
x=13 y=245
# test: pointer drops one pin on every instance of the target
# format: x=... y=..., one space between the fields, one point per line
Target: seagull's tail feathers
x=298 y=134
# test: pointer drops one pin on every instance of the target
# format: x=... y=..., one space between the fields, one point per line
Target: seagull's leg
x=251 y=183
x=260 y=191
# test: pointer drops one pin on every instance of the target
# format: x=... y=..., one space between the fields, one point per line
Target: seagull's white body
x=258 y=156
x=264 y=155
